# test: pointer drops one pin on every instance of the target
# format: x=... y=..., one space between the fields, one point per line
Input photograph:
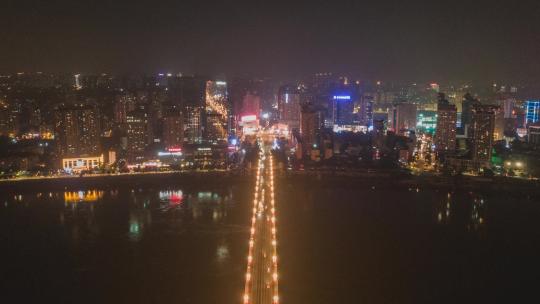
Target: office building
x=76 y=165
x=532 y=111
x=342 y=109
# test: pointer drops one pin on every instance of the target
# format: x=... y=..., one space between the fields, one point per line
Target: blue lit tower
x=342 y=109
x=533 y=112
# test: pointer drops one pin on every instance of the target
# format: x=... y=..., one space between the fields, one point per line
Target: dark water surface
x=180 y=244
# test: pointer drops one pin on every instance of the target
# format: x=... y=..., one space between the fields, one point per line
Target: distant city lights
x=248 y=118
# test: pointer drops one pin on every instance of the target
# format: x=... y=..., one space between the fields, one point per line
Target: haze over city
x=392 y=40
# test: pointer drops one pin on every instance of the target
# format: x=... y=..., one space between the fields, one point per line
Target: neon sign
x=169 y=153
x=342 y=97
x=248 y=118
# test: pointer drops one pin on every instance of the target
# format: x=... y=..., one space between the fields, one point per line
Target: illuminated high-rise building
x=289 y=106
x=533 y=134
x=78 y=130
x=469 y=102
x=508 y=108
x=403 y=118
x=138 y=132
x=342 y=109
x=188 y=93
x=9 y=119
x=482 y=131
x=173 y=129
x=122 y=106
x=532 y=114
x=364 y=110
x=499 y=124
x=445 y=133
x=192 y=124
x=426 y=121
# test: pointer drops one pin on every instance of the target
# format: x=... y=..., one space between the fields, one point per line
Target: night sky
x=391 y=40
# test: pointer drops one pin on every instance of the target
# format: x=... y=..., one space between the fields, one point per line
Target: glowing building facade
x=445 y=134
x=532 y=111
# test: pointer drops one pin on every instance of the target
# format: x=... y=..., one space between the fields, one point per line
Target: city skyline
x=270 y=152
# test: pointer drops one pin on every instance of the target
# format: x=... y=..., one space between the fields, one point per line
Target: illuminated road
x=261 y=275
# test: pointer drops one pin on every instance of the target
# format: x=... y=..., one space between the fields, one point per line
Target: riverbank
x=381 y=179
x=136 y=180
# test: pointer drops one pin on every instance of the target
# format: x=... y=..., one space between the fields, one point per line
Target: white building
x=79 y=164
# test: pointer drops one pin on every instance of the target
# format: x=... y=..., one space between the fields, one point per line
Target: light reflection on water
x=171 y=207
x=83 y=211
x=444 y=210
x=82 y=196
x=108 y=233
x=470 y=208
x=478 y=213
x=171 y=196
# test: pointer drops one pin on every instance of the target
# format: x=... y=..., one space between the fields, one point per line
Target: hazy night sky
x=395 y=40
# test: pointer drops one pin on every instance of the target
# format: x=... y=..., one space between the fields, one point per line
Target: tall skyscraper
x=123 y=104
x=532 y=114
x=508 y=108
x=173 y=129
x=78 y=130
x=364 y=111
x=189 y=94
x=482 y=131
x=192 y=124
x=445 y=133
x=289 y=106
x=342 y=109
x=500 y=124
x=469 y=102
x=403 y=118
x=138 y=133
x=311 y=127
